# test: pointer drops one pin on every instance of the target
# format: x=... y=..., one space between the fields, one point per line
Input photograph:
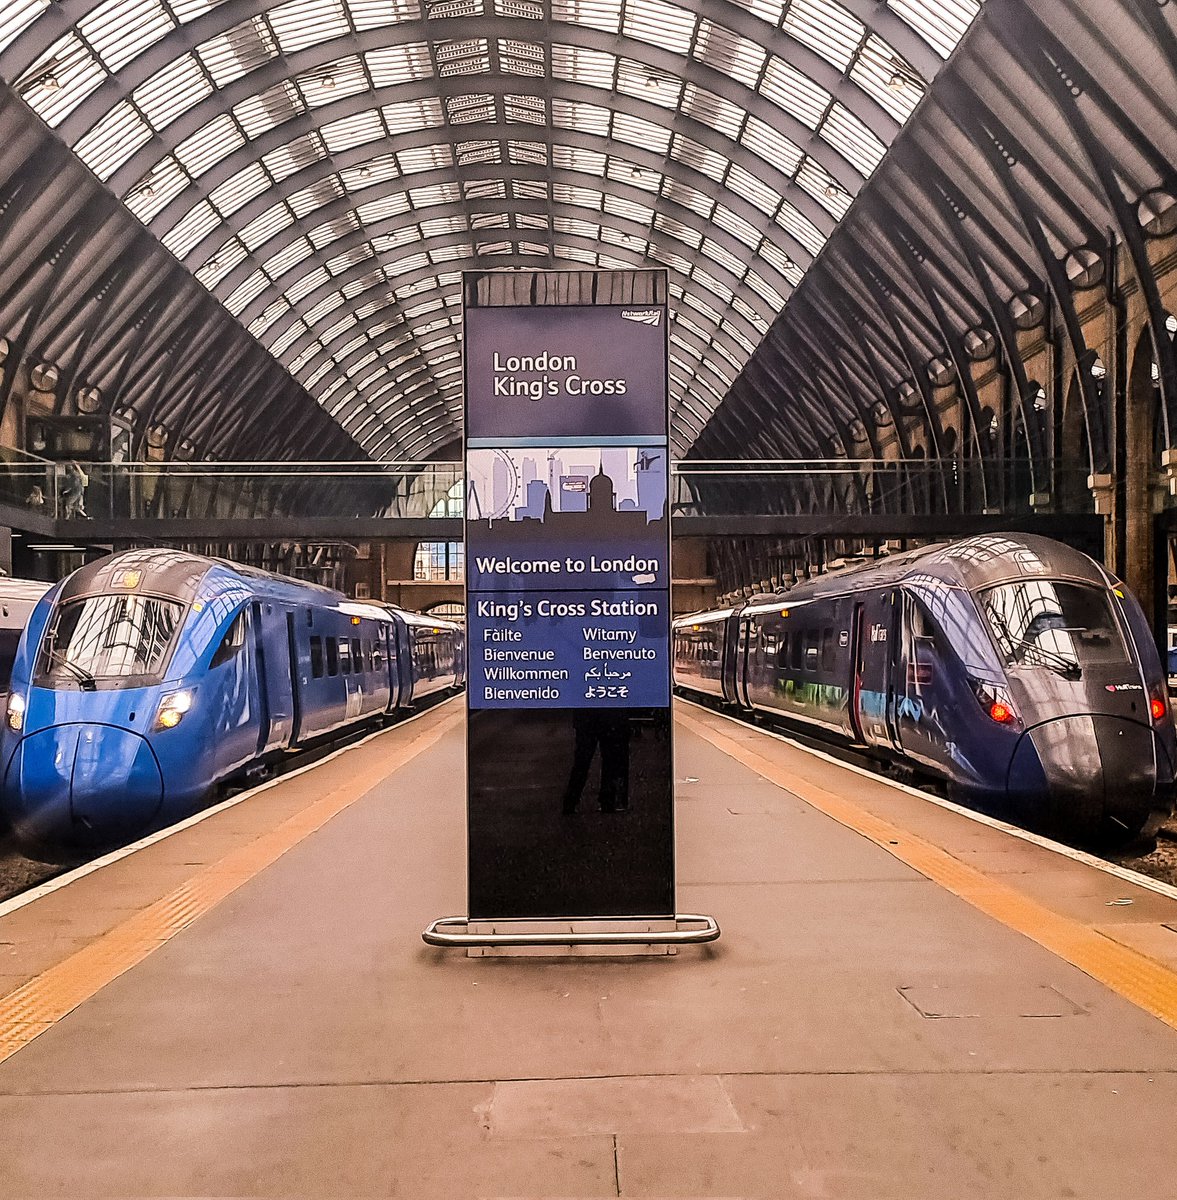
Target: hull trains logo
x=644 y=316
x=1123 y=687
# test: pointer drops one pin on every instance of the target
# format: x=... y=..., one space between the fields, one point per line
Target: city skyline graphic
x=530 y=483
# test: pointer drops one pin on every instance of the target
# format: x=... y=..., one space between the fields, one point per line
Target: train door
x=732 y=654
x=273 y=684
x=295 y=680
x=856 y=664
x=748 y=640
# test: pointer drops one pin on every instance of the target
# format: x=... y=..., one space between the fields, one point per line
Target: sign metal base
x=561 y=935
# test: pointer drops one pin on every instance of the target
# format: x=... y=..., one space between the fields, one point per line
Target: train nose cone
x=1096 y=774
x=76 y=787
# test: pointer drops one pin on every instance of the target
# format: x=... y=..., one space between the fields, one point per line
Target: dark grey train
x=1014 y=668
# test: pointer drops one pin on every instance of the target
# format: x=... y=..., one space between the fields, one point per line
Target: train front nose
x=1089 y=777
x=73 y=788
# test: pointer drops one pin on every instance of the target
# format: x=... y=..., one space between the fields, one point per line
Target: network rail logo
x=644 y=316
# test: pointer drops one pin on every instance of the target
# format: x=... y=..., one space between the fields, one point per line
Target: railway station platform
x=906 y=1002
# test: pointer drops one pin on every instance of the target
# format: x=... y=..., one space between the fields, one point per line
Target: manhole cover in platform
x=997 y=999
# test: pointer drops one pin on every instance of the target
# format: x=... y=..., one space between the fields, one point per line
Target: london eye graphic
x=493 y=489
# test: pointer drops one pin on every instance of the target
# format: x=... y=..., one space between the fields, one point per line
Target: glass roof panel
x=694 y=165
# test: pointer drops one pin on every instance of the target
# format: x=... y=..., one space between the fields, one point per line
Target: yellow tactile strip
x=1145 y=982
x=40 y=1003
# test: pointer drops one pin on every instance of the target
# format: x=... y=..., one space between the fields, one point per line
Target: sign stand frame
x=689 y=929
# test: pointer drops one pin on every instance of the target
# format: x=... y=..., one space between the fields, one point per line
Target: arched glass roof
x=327 y=168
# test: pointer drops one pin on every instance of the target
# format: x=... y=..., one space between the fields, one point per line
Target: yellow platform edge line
x=1145 y=982
x=38 y=1004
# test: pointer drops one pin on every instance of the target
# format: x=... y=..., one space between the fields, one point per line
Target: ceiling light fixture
x=328 y=81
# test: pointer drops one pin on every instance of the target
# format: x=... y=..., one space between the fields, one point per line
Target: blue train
x=1014 y=668
x=146 y=679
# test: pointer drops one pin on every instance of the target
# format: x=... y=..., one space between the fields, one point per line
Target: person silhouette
x=608 y=730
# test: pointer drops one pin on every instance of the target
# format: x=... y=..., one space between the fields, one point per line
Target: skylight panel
x=376 y=14
x=208 y=145
x=887 y=78
x=686 y=234
x=288 y=257
x=575 y=158
x=702 y=158
x=826 y=28
x=736 y=226
x=189 y=10
x=325 y=85
x=794 y=93
x=526 y=220
x=701 y=305
x=159 y=187
x=443 y=193
x=470 y=110
x=471 y=56
x=168 y=93
x=581 y=196
x=721 y=115
x=671 y=258
x=749 y=314
x=192 y=228
x=294 y=156
x=305 y=23
x=458 y=252
x=331 y=231
x=338 y=329
x=521 y=58
x=367 y=174
x=772 y=146
x=852 y=139
x=245 y=294
x=754 y=190
x=585 y=118
x=272 y=312
x=271 y=108
x=314 y=196
x=781 y=261
x=310 y=282
x=664 y=25
x=597 y=14
x=426 y=158
x=719 y=254
x=113 y=140
x=729 y=53
x=826 y=190
x=484 y=189
x=689 y=197
x=438 y=10
x=637 y=79
x=238 y=51
x=801 y=228
x=525 y=10
x=349 y=132
x=639 y=132
x=399 y=64
x=575 y=227
x=941 y=23
x=324 y=308
x=231 y=254
x=627 y=208
x=528 y=153
x=580 y=65
x=528 y=110
x=120 y=30
x=470 y=153
x=16 y=16
x=765 y=290
x=60 y=80
x=383 y=209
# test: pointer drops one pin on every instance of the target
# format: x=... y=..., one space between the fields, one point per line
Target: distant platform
x=906 y=1003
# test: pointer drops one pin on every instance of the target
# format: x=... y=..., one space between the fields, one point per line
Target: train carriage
x=1014 y=668
x=145 y=680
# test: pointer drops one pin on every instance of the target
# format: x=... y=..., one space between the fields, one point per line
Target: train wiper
x=84 y=678
x=1068 y=668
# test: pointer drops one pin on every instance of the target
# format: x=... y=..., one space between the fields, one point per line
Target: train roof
x=974 y=563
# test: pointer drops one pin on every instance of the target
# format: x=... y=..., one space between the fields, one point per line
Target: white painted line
x=1035 y=839
x=61 y=881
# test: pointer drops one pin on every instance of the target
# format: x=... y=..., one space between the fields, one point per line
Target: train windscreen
x=1050 y=623
x=122 y=638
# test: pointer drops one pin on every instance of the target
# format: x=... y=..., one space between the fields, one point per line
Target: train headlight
x=16 y=711
x=172 y=709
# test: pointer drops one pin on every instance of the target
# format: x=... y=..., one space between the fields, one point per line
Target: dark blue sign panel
x=568 y=604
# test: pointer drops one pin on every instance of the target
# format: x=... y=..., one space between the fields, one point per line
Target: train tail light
x=1158 y=708
x=996 y=702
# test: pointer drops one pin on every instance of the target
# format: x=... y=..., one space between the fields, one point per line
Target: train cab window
x=827 y=649
x=357 y=656
x=317 y=657
x=344 y=657
x=233 y=640
x=332 y=656
x=1049 y=623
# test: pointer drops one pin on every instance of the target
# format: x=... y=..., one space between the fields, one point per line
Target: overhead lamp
x=636 y=172
x=365 y=172
x=148 y=189
x=328 y=81
x=213 y=264
x=833 y=190
x=652 y=82
x=49 y=82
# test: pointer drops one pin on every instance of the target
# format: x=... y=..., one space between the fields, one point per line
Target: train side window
x=811 y=649
x=782 y=654
x=332 y=656
x=357 y=656
x=344 y=657
x=797 y=651
x=827 y=649
x=233 y=640
x=317 y=657
x=377 y=657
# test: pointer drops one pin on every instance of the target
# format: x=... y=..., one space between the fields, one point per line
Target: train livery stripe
x=40 y=1003
x=1145 y=982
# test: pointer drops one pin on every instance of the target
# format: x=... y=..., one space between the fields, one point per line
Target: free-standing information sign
x=568 y=596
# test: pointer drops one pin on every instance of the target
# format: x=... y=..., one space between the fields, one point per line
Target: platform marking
x=1142 y=980
x=96 y=864
x=41 y=1002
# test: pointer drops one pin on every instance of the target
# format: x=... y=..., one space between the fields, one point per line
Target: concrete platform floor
x=858 y=1032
